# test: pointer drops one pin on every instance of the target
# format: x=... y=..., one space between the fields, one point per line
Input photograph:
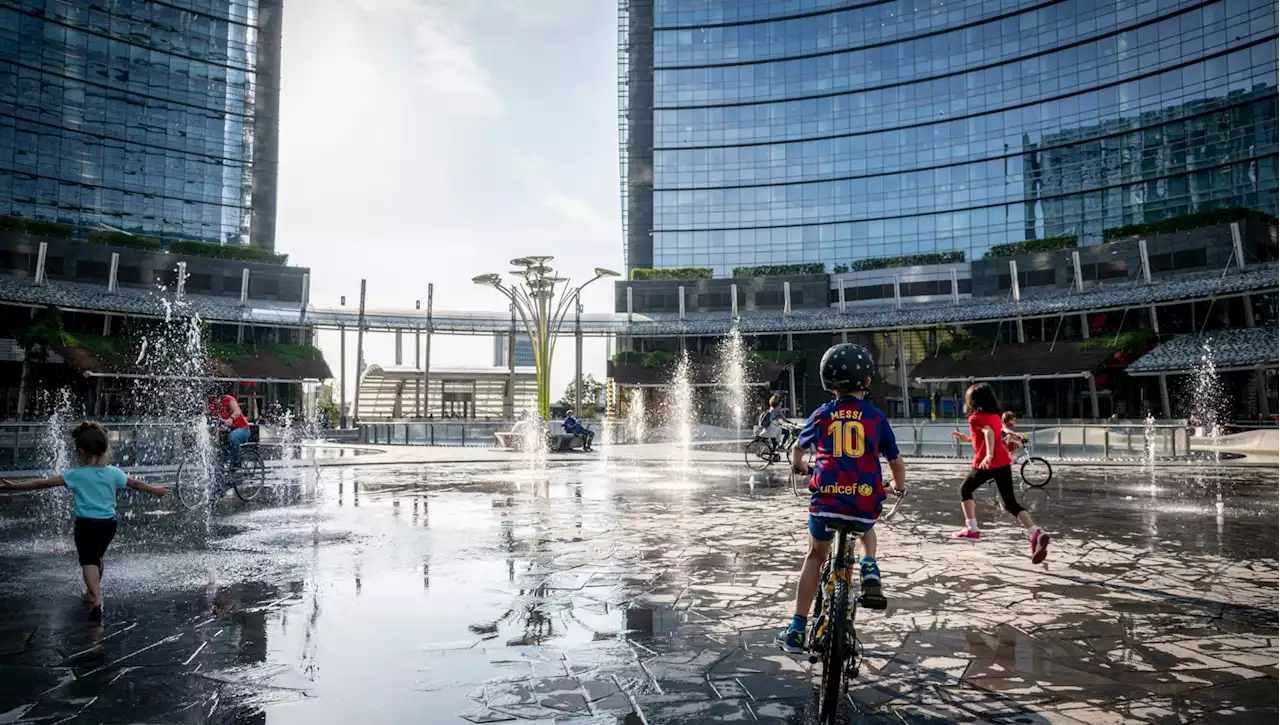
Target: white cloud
x=443 y=63
x=582 y=213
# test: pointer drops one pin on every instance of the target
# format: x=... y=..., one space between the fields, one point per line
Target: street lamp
x=542 y=299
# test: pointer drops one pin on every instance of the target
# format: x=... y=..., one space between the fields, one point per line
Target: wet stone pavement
x=599 y=593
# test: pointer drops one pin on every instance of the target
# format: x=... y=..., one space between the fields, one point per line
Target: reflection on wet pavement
x=608 y=594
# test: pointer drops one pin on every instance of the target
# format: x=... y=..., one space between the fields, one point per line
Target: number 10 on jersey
x=847 y=438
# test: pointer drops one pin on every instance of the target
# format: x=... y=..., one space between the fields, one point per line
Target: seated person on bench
x=573 y=427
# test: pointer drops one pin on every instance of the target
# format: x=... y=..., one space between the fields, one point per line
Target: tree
x=590 y=396
x=328 y=406
x=44 y=332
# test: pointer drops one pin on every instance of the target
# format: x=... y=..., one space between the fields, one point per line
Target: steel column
x=417 y=365
x=1164 y=396
x=577 y=354
x=426 y=357
x=1093 y=396
x=41 y=256
x=902 y=374
x=1264 y=405
x=113 y=279
x=791 y=374
x=509 y=400
x=355 y=404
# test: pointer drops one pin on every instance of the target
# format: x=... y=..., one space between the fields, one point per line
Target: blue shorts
x=819 y=531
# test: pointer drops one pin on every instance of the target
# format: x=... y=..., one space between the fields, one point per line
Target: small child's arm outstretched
x=50 y=482
x=138 y=484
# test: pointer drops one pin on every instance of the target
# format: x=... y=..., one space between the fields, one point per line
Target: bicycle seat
x=856 y=528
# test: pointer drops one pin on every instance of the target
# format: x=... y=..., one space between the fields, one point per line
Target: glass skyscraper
x=153 y=118
x=761 y=132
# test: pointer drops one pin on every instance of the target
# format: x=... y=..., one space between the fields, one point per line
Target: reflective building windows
x=141 y=116
x=818 y=132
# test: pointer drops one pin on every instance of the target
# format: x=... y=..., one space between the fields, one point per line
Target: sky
x=430 y=141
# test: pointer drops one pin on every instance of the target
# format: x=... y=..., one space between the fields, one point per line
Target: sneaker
x=1039 y=546
x=870 y=571
x=791 y=641
x=968 y=533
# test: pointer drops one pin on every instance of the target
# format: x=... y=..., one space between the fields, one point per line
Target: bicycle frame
x=834 y=635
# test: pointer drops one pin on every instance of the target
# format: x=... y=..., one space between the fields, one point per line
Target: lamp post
x=542 y=300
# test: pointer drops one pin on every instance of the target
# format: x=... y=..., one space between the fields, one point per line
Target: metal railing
x=34 y=446
x=470 y=433
x=1062 y=441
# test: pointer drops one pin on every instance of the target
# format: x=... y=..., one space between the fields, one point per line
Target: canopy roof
x=1239 y=349
x=142 y=302
x=257 y=365
x=1065 y=359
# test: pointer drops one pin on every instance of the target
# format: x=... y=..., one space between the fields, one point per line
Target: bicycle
x=762 y=451
x=1035 y=471
x=832 y=637
x=247 y=480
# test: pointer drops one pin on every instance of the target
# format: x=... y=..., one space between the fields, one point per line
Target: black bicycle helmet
x=847 y=368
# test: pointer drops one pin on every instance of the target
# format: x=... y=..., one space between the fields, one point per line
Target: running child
x=93 y=488
x=992 y=462
x=850 y=435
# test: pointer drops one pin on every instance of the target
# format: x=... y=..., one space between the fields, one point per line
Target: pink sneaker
x=968 y=533
x=1039 y=546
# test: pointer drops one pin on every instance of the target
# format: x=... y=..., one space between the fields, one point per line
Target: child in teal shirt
x=93 y=489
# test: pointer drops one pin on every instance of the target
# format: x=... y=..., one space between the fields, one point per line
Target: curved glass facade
x=823 y=131
x=152 y=118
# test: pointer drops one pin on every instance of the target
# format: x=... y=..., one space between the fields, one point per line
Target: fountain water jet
x=53 y=508
x=681 y=413
x=635 y=415
x=732 y=375
x=533 y=438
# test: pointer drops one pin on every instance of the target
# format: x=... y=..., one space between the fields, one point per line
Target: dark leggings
x=93 y=536
x=1003 y=477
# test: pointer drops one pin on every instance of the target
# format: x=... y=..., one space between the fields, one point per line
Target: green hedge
x=1187 y=221
x=657 y=359
x=120 y=239
x=779 y=356
x=672 y=273
x=1048 y=244
x=287 y=354
x=908 y=260
x=227 y=251
x=779 y=270
x=35 y=227
x=1130 y=340
x=962 y=344
x=102 y=347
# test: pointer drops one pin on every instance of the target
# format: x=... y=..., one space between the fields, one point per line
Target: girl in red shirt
x=991 y=462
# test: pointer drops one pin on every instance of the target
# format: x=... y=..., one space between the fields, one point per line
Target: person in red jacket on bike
x=227 y=409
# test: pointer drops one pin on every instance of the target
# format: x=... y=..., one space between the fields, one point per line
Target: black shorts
x=1003 y=477
x=93 y=536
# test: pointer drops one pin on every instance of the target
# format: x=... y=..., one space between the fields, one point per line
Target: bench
x=514 y=439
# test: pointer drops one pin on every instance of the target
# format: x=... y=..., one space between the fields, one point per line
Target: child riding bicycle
x=850 y=434
x=773 y=425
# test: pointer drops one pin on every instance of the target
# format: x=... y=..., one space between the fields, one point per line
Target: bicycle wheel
x=252 y=476
x=834 y=655
x=759 y=454
x=189 y=489
x=1036 y=472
